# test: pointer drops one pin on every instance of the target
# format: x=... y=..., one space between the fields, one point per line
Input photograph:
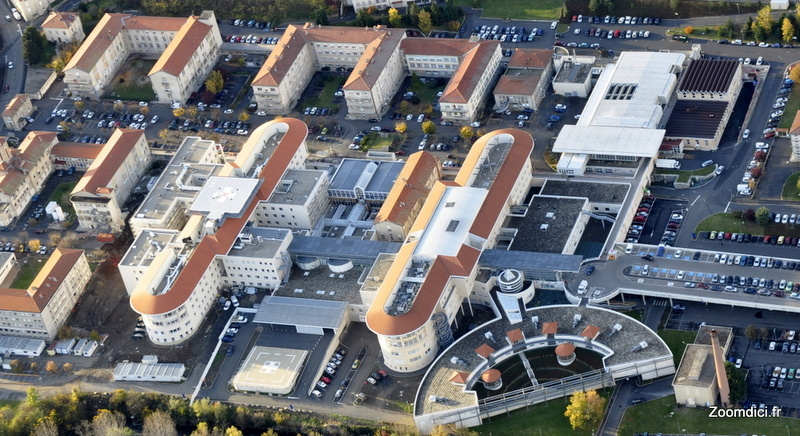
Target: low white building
x=155 y=372
x=63 y=27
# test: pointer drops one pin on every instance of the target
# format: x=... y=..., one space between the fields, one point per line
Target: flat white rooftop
x=615 y=141
x=225 y=196
x=448 y=228
x=270 y=370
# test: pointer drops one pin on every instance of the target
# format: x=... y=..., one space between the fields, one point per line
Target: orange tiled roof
x=409 y=188
x=15 y=104
x=109 y=28
x=549 y=328
x=59 y=20
x=491 y=375
x=460 y=377
x=530 y=58
x=380 y=43
x=76 y=150
x=436 y=47
x=517 y=85
x=565 y=349
x=44 y=285
x=795 y=129
x=108 y=161
x=515 y=335
x=484 y=351
x=591 y=331
x=182 y=47
x=219 y=244
x=474 y=64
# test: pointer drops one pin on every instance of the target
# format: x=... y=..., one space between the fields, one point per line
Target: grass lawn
x=545 y=419
x=427 y=91
x=791 y=108
x=676 y=341
x=61 y=196
x=326 y=96
x=539 y=10
x=790 y=191
x=27 y=273
x=663 y=415
x=374 y=141
x=131 y=91
x=683 y=175
x=726 y=222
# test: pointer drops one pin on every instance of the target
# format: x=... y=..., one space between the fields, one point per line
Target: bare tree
x=46 y=427
x=108 y=423
x=159 y=423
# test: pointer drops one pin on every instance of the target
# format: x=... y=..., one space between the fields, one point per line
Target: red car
x=326 y=380
x=769 y=135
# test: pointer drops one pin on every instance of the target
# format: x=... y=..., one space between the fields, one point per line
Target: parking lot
x=658 y=219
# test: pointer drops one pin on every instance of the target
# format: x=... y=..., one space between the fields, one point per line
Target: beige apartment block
x=186 y=50
x=39 y=310
x=30 y=9
x=526 y=80
x=23 y=171
x=102 y=191
x=63 y=27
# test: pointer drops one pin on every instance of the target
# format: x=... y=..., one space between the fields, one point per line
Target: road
x=12 y=37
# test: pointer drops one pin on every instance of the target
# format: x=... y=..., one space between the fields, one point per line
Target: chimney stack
x=719 y=365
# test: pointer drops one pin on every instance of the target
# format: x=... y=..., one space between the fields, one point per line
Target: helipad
x=270 y=370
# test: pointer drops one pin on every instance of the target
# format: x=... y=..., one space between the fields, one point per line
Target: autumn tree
x=192 y=112
x=233 y=431
x=144 y=110
x=51 y=367
x=764 y=19
x=214 y=82
x=119 y=106
x=585 y=410
x=425 y=25
x=466 y=133
x=395 y=20
x=108 y=423
x=787 y=30
x=178 y=112
x=750 y=332
x=757 y=172
x=244 y=116
x=400 y=127
x=794 y=74
x=762 y=216
x=688 y=30
x=79 y=105
x=46 y=427
x=749 y=214
x=428 y=127
x=159 y=423
x=67 y=367
x=763 y=333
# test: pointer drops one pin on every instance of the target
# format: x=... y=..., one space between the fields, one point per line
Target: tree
x=119 y=106
x=233 y=431
x=787 y=30
x=757 y=172
x=321 y=16
x=214 y=82
x=425 y=25
x=192 y=112
x=749 y=215
x=46 y=427
x=108 y=423
x=79 y=105
x=760 y=156
x=244 y=116
x=395 y=20
x=762 y=216
x=750 y=332
x=688 y=30
x=364 y=19
x=736 y=382
x=585 y=410
x=405 y=106
x=428 y=127
x=33 y=45
x=144 y=110
x=400 y=127
x=466 y=133
x=178 y=112
x=794 y=74
x=764 y=19
x=159 y=423
x=674 y=4
x=94 y=335
x=67 y=367
x=594 y=5
x=763 y=333
x=51 y=367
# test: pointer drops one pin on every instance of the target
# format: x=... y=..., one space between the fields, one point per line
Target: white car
x=142 y=104
x=577 y=31
x=746 y=134
x=154 y=119
x=421 y=118
x=10 y=65
x=554 y=24
x=475 y=124
x=176 y=105
x=738 y=363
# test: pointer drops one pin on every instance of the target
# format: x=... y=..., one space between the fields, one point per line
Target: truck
x=670 y=164
x=743 y=189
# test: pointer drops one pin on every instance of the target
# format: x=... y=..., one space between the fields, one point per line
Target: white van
x=760 y=60
x=629 y=249
x=582 y=287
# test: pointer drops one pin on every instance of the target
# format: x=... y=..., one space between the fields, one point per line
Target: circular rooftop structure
x=565 y=350
x=491 y=375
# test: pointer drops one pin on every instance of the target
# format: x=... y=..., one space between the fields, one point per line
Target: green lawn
x=663 y=415
x=133 y=92
x=427 y=91
x=544 y=419
x=726 y=222
x=539 y=10
x=790 y=191
x=791 y=108
x=326 y=96
x=683 y=175
x=61 y=196
x=676 y=341
x=27 y=273
x=375 y=141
